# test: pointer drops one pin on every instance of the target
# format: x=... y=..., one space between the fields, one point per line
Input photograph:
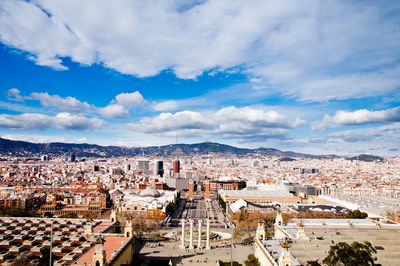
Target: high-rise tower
x=158 y=168
x=191 y=187
x=177 y=166
x=207 y=192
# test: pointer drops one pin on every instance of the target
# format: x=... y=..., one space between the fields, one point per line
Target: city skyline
x=313 y=77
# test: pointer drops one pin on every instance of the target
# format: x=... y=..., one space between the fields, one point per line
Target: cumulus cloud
x=40 y=121
x=347 y=86
x=43 y=138
x=376 y=140
x=14 y=95
x=116 y=111
x=69 y=104
x=130 y=99
x=119 y=108
x=358 y=117
x=293 y=46
x=229 y=122
x=165 y=106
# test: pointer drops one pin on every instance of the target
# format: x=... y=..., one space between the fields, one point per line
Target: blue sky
x=319 y=77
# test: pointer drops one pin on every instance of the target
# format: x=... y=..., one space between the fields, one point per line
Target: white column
x=191 y=235
x=208 y=235
x=183 y=234
x=199 y=239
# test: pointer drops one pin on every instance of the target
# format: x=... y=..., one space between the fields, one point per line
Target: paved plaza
x=170 y=249
x=387 y=243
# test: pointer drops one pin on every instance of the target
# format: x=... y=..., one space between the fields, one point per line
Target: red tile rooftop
x=101 y=226
x=111 y=244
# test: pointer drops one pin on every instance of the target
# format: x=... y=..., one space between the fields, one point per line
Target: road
x=198 y=209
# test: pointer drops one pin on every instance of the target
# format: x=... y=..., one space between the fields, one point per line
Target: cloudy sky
x=318 y=77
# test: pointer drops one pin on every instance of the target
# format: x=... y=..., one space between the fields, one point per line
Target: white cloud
x=14 y=95
x=381 y=140
x=165 y=106
x=358 y=117
x=69 y=104
x=257 y=117
x=348 y=86
x=40 y=121
x=70 y=121
x=43 y=138
x=170 y=122
x=296 y=47
x=114 y=111
x=244 y=123
x=119 y=108
x=130 y=99
x=25 y=26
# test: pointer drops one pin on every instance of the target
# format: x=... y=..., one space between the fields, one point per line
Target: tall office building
x=177 y=166
x=127 y=168
x=158 y=168
x=143 y=165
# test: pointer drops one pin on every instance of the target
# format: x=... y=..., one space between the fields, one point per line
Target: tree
x=222 y=203
x=45 y=257
x=313 y=263
x=90 y=215
x=252 y=261
x=171 y=208
x=356 y=254
x=69 y=215
x=23 y=260
x=228 y=263
x=357 y=214
x=243 y=215
x=15 y=212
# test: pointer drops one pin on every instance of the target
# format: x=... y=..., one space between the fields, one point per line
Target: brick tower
x=190 y=189
x=207 y=194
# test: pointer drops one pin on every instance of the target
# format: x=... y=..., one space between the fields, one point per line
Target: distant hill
x=366 y=158
x=23 y=148
x=287 y=159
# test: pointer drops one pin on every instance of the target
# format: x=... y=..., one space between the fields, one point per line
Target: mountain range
x=23 y=148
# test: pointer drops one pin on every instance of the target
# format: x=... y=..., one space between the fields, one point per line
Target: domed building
x=149 y=192
x=149 y=202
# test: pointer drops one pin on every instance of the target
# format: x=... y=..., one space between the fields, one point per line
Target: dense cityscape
x=199 y=132
x=149 y=210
